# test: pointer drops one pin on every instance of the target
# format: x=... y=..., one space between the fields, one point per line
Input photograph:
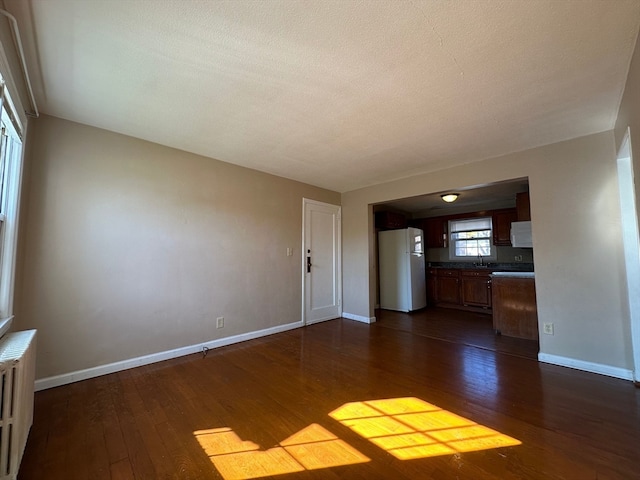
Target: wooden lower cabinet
x=458 y=288
x=514 y=307
x=448 y=287
x=432 y=286
x=476 y=288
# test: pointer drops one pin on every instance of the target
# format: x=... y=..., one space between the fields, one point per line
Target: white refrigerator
x=401 y=269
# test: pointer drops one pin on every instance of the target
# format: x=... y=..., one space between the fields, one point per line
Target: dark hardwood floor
x=457 y=326
x=341 y=400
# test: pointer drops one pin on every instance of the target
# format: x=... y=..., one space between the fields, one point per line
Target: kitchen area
x=477 y=252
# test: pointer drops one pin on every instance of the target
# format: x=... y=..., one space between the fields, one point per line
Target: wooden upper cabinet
x=523 y=207
x=390 y=220
x=436 y=228
x=435 y=232
x=502 y=220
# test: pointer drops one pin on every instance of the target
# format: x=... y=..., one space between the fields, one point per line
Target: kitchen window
x=471 y=239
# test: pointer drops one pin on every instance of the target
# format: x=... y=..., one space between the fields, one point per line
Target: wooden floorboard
x=458 y=326
x=270 y=408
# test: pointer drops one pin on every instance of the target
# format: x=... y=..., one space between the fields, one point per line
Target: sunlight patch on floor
x=311 y=448
x=410 y=428
x=407 y=428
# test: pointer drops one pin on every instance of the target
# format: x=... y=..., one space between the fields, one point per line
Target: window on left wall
x=11 y=132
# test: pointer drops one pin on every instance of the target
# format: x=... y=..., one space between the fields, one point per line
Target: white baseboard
x=607 y=370
x=358 y=318
x=66 y=378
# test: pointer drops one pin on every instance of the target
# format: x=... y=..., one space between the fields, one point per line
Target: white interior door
x=321 y=261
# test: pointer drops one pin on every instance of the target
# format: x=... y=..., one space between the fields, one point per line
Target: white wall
x=129 y=248
x=629 y=113
x=629 y=118
x=576 y=228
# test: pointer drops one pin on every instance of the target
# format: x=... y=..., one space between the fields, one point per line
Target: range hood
x=521 y=235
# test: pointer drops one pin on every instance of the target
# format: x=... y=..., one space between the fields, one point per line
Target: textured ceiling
x=340 y=94
x=472 y=198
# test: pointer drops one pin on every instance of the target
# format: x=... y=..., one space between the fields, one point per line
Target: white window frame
x=456 y=226
x=9 y=204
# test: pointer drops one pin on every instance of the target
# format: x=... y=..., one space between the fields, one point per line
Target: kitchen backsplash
x=491 y=266
x=505 y=255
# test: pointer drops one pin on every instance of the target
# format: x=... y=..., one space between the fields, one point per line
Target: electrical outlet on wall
x=547 y=328
x=219 y=322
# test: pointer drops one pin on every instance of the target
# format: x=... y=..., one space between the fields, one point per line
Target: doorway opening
x=631 y=245
x=462 y=281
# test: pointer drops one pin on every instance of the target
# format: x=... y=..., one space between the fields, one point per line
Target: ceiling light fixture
x=450 y=197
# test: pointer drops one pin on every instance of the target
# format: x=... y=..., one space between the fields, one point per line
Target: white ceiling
x=340 y=94
x=470 y=199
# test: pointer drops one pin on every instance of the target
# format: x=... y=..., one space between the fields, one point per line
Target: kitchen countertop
x=491 y=267
x=514 y=274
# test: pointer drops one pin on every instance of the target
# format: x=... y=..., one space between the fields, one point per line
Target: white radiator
x=17 y=376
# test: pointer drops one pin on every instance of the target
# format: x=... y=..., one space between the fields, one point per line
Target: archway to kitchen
x=478 y=278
